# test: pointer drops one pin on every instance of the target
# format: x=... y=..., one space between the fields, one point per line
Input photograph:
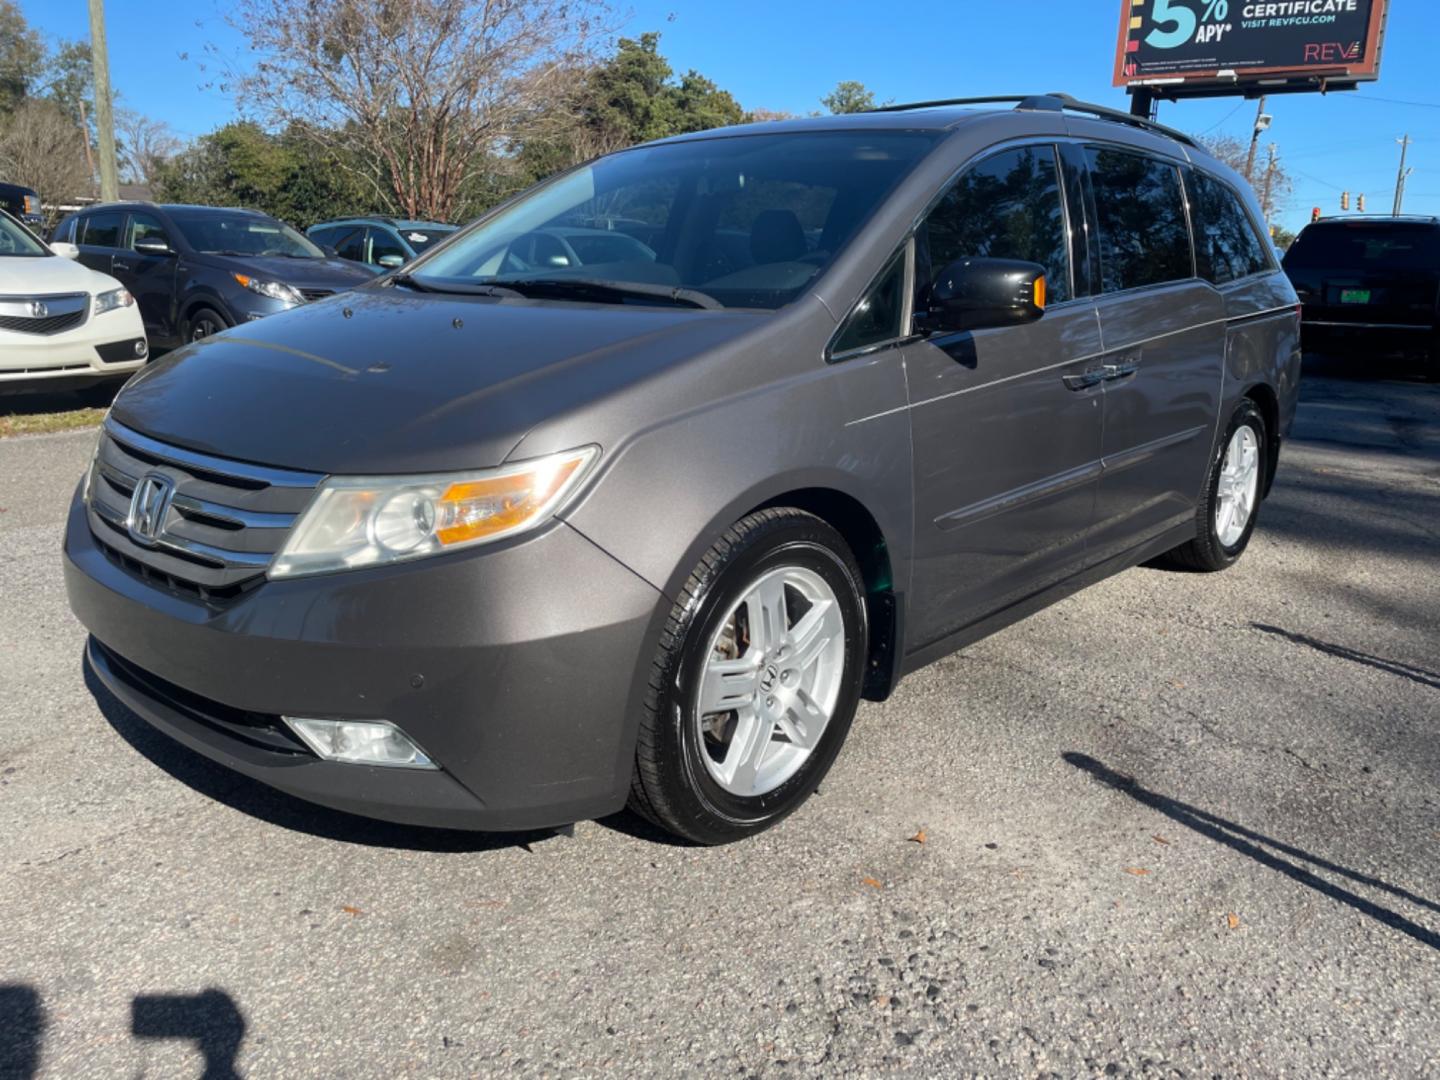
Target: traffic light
x=1360 y=203
x=1314 y=214
x=1344 y=200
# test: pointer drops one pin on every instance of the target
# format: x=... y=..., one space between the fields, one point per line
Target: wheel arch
x=1268 y=402
x=866 y=540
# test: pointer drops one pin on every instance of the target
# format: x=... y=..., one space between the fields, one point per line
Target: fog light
x=360 y=742
x=140 y=347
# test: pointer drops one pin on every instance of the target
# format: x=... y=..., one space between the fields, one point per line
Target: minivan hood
x=384 y=381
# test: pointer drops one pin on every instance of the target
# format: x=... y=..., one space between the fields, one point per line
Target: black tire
x=201 y=323
x=671 y=785
x=1205 y=553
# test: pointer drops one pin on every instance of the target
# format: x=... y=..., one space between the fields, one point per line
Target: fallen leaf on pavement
x=871 y=882
x=351 y=910
x=1233 y=920
x=1138 y=871
x=918 y=838
x=1160 y=840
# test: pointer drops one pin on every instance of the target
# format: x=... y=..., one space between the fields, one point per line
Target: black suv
x=195 y=270
x=1376 y=279
x=22 y=203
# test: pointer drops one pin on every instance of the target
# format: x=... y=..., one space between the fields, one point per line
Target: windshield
x=216 y=232
x=16 y=241
x=747 y=221
x=1367 y=247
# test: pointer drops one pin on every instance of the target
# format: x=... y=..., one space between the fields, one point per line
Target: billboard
x=1184 y=48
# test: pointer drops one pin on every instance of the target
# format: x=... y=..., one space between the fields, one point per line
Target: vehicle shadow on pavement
x=209 y=1019
x=1247 y=842
x=251 y=797
x=1392 y=667
x=22 y=1027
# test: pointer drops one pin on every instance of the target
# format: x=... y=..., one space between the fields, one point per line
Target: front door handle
x=1085 y=379
x=123 y=267
x=1121 y=370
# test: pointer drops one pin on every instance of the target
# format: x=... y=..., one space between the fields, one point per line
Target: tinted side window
x=323 y=236
x=66 y=231
x=143 y=226
x=1226 y=246
x=876 y=319
x=1143 y=236
x=1006 y=207
x=103 y=229
x=351 y=245
x=384 y=242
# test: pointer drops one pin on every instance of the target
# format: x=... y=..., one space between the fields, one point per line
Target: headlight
x=359 y=521
x=275 y=290
x=115 y=298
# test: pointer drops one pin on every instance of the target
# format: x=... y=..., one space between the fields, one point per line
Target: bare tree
x=415 y=90
x=41 y=148
x=145 y=145
x=1272 y=186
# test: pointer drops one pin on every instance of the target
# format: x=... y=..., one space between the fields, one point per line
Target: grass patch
x=41 y=422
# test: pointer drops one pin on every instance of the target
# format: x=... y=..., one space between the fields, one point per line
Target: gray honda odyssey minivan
x=504 y=541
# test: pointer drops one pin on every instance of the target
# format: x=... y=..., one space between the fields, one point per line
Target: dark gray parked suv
x=196 y=270
x=499 y=545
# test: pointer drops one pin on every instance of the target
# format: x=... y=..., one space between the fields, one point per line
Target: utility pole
x=1401 y=175
x=1270 y=168
x=104 y=118
x=1261 y=123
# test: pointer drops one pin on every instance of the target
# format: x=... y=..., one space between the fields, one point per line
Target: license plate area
x=1354 y=296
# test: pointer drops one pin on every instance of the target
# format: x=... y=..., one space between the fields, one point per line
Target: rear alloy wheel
x=203 y=323
x=757 y=680
x=1226 y=516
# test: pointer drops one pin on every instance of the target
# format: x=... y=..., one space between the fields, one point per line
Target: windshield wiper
x=460 y=288
x=613 y=292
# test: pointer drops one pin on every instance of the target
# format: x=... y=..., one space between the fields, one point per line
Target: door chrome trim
x=1017 y=497
x=1136 y=454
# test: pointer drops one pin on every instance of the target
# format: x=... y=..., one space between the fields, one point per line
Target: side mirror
x=391 y=262
x=153 y=245
x=978 y=294
x=64 y=250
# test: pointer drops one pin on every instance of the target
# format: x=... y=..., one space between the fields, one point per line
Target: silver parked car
x=503 y=542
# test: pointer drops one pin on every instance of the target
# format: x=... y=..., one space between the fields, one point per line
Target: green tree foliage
x=849 y=97
x=632 y=96
x=288 y=175
x=69 y=80
x=22 y=57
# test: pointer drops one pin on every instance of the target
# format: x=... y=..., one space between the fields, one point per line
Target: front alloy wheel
x=756 y=682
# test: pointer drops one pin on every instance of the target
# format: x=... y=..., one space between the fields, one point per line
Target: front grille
x=224 y=524
x=44 y=315
x=265 y=730
x=52 y=324
x=316 y=294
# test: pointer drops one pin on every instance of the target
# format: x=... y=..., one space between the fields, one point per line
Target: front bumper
x=103 y=346
x=518 y=669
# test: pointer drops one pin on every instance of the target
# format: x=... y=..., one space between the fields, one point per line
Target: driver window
x=383 y=243
x=351 y=246
x=1005 y=207
x=146 y=226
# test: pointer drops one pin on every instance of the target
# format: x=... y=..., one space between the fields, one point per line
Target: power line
x=1226 y=117
x=1390 y=101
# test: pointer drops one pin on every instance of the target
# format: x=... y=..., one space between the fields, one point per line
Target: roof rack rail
x=1053 y=102
x=1379 y=217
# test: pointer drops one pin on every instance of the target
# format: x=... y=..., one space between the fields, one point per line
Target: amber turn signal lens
x=1040 y=292
x=475 y=509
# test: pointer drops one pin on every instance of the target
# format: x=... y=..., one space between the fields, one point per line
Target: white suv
x=61 y=322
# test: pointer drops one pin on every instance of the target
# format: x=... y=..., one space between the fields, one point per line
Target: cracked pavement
x=1177 y=825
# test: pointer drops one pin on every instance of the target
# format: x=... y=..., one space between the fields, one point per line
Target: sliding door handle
x=1120 y=371
x=1085 y=379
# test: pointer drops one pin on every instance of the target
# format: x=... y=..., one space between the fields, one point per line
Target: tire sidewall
x=201 y=313
x=704 y=801
x=1247 y=414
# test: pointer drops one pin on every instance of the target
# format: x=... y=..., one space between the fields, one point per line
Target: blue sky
x=787 y=55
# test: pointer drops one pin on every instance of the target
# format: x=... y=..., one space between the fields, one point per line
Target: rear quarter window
x=1227 y=246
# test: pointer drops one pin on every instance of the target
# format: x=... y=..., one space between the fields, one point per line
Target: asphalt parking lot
x=1178 y=825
